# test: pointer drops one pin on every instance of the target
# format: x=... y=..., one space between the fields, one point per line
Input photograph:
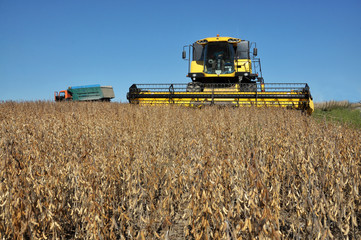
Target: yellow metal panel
x=234 y=89
x=221 y=75
x=196 y=66
x=243 y=65
x=218 y=39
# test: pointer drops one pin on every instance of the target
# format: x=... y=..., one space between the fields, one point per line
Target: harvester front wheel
x=248 y=87
x=194 y=87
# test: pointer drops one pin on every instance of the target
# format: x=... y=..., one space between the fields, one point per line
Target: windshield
x=219 y=58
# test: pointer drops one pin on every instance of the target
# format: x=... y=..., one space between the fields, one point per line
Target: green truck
x=86 y=93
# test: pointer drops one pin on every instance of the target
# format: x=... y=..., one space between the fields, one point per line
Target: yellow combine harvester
x=224 y=71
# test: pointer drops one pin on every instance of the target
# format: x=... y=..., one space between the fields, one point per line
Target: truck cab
x=63 y=95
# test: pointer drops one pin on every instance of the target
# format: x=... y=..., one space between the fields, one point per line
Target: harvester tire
x=248 y=87
x=194 y=87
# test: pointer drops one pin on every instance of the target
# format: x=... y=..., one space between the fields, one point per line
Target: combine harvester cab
x=224 y=71
x=86 y=93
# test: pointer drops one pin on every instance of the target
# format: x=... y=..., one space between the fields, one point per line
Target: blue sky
x=46 y=46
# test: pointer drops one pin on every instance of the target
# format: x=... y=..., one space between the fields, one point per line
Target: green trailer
x=86 y=93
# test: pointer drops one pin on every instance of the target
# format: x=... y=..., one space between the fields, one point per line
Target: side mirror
x=254 y=51
x=184 y=55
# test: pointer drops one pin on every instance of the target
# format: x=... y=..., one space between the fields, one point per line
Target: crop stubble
x=119 y=171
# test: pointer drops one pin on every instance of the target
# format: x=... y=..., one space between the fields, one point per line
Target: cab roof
x=218 y=39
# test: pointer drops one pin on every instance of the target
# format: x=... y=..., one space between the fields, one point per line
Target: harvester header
x=226 y=71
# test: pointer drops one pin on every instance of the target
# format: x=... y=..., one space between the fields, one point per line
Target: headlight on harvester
x=203 y=41
x=234 y=40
